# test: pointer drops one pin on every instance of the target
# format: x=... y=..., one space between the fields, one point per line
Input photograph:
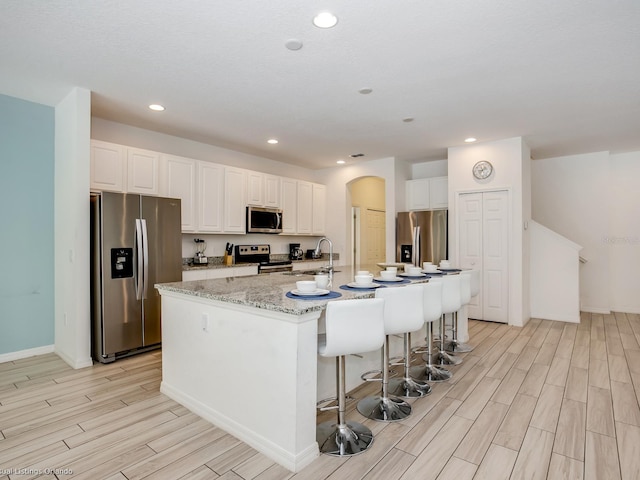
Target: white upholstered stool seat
x=352 y=326
x=402 y=314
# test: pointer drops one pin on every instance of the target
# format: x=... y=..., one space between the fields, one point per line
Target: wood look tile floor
x=550 y=400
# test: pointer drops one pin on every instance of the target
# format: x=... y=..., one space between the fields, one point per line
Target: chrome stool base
x=390 y=409
x=408 y=387
x=343 y=440
x=444 y=358
x=430 y=373
x=454 y=346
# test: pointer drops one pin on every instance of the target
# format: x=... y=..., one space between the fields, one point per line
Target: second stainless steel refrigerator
x=421 y=236
x=136 y=242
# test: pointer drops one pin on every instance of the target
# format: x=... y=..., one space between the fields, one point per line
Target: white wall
x=509 y=158
x=339 y=202
x=433 y=168
x=593 y=200
x=72 y=295
x=623 y=238
x=571 y=195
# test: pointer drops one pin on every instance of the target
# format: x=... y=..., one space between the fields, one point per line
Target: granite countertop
x=268 y=291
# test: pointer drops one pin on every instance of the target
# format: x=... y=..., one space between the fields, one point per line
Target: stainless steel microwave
x=264 y=220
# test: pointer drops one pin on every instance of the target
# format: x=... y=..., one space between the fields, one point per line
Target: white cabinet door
x=255 y=188
x=142 y=171
x=210 y=197
x=305 y=207
x=318 y=215
x=289 y=205
x=418 y=194
x=234 y=200
x=272 y=191
x=484 y=246
x=178 y=180
x=438 y=192
x=108 y=166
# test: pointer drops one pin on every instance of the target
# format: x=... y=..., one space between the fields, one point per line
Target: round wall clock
x=482 y=169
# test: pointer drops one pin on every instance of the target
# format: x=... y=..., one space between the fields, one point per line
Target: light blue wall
x=26 y=225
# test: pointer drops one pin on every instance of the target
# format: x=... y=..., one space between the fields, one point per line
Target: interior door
x=484 y=245
x=373 y=245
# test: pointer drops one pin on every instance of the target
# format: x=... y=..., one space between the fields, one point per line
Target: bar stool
x=432 y=303
x=450 y=304
x=465 y=297
x=402 y=314
x=352 y=326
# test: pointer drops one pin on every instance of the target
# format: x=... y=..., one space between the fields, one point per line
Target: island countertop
x=268 y=291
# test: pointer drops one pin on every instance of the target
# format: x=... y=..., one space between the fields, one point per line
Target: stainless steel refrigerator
x=421 y=236
x=136 y=242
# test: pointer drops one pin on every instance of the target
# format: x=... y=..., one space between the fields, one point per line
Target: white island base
x=250 y=371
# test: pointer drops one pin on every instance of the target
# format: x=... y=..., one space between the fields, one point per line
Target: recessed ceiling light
x=341 y=162
x=470 y=139
x=293 y=44
x=325 y=20
x=365 y=91
x=156 y=107
x=272 y=141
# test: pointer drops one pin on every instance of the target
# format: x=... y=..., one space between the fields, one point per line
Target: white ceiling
x=564 y=74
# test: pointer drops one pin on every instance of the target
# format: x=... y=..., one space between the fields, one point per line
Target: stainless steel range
x=261 y=254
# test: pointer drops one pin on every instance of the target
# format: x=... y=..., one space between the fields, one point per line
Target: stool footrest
x=368 y=376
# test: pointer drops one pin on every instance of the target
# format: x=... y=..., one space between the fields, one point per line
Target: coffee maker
x=295 y=252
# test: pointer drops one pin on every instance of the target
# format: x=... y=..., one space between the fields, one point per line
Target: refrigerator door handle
x=140 y=260
x=416 y=247
x=145 y=252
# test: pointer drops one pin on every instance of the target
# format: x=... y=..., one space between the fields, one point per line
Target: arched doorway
x=368 y=220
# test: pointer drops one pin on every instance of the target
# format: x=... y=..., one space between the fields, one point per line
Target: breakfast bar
x=241 y=352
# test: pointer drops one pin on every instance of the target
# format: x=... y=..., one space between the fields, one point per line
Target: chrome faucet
x=317 y=252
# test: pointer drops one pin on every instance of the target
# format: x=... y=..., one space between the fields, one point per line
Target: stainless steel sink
x=300 y=273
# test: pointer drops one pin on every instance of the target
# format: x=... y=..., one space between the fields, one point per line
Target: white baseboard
x=74 y=363
x=30 y=352
x=556 y=317
x=584 y=308
x=627 y=309
x=292 y=462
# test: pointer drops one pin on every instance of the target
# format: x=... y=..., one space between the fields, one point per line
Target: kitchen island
x=242 y=354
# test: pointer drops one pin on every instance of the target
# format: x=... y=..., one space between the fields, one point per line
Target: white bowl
x=306 y=286
x=426 y=265
x=322 y=281
x=392 y=269
x=364 y=279
x=414 y=271
x=362 y=272
x=430 y=268
x=387 y=275
x=445 y=264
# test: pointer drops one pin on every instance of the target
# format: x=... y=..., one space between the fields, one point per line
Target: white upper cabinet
x=272 y=191
x=118 y=168
x=319 y=209
x=305 y=207
x=178 y=180
x=427 y=193
x=142 y=171
x=289 y=205
x=210 y=197
x=234 y=200
x=439 y=192
x=108 y=166
x=263 y=190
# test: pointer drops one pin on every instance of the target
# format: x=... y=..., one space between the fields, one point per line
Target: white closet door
x=495 y=257
x=470 y=241
x=484 y=245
